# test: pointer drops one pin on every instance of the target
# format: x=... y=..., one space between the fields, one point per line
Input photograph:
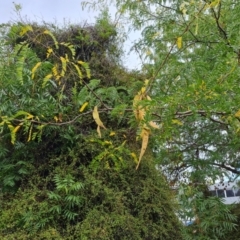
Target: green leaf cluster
x=58 y=178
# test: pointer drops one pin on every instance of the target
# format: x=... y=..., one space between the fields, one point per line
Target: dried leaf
x=145 y=136
x=60 y=115
x=154 y=125
x=99 y=131
x=148 y=98
x=139 y=111
x=98 y=120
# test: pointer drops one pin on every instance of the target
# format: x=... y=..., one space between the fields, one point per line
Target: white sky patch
x=63 y=11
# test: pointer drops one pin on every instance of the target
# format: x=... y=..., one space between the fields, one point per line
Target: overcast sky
x=59 y=11
x=47 y=10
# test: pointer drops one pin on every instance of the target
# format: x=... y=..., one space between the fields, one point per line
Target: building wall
x=228 y=191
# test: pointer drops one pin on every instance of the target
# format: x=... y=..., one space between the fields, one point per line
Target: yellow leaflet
x=49 y=51
x=30 y=116
x=196 y=28
x=79 y=72
x=57 y=78
x=99 y=131
x=13 y=134
x=70 y=47
x=176 y=121
x=96 y=117
x=107 y=143
x=134 y=156
x=146 y=82
x=86 y=67
x=237 y=114
x=98 y=121
x=112 y=133
x=154 y=125
x=45 y=80
x=66 y=57
x=179 y=42
x=145 y=136
x=25 y=29
x=19 y=113
x=136 y=99
x=56 y=118
x=30 y=133
x=17 y=128
x=35 y=69
x=55 y=70
x=107 y=165
x=214 y=3
x=148 y=52
x=52 y=36
x=148 y=98
x=83 y=107
x=64 y=66
x=182 y=7
x=143 y=90
x=139 y=112
x=60 y=115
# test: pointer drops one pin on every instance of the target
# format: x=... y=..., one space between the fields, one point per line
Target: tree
x=192 y=55
x=67 y=138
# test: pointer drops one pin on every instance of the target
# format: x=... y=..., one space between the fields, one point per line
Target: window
x=213 y=193
x=220 y=193
x=230 y=193
x=237 y=192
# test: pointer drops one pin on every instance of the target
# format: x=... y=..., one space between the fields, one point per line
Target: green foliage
x=191 y=55
x=67 y=197
x=212 y=219
x=235 y=233
x=194 y=68
x=86 y=186
x=107 y=204
x=59 y=178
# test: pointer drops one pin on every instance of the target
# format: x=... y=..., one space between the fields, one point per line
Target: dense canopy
x=82 y=137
